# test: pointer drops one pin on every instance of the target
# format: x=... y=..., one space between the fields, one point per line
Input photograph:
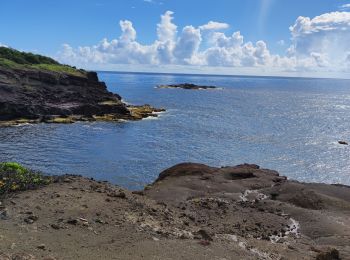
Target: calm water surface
x=290 y=125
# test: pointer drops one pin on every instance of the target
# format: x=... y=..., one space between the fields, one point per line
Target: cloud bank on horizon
x=319 y=44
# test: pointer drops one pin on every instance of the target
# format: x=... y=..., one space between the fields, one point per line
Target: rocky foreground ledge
x=192 y=211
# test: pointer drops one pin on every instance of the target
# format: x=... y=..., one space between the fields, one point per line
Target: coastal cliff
x=192 y=211
x=46 y=91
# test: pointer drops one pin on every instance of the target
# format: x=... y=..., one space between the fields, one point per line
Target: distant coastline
x=218 y=75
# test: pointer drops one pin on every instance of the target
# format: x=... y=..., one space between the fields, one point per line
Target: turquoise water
x=290 y=125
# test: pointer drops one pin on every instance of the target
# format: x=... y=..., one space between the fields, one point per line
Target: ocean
x=291 y=125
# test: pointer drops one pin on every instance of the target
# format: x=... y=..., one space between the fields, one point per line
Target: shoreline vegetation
x=38 y=89
x=192 y=211
x=13 y=59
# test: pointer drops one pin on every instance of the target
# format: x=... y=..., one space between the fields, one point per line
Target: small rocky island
x=35 y=88
x=188 y=86
x=192 y=211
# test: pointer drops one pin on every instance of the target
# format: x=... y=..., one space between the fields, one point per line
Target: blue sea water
x=291 y=125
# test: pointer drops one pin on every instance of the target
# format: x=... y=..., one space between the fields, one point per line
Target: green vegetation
x=25 y=58
x=60 y=68
x=15 y=177
x=13 y=59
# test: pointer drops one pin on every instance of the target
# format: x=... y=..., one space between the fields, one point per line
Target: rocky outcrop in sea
x=188 y=86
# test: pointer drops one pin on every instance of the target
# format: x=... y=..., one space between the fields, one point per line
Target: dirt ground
x=192 y=211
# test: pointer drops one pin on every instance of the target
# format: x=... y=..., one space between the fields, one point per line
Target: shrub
x=25 y=58
x=15 y=177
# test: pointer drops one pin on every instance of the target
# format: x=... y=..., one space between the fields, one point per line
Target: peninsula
x=35 y=88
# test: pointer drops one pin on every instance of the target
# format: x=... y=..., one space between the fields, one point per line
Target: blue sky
x=44 y=26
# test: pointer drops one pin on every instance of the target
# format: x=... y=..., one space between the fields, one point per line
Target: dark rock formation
x=187 y=86
x=258 y=203
x=343 y=142
x=47 y=96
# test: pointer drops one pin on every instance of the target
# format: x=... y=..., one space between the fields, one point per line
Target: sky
x=250 y=37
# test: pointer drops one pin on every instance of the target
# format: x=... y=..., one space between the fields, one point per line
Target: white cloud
x=128 y=32
x=327 y=35
x=214 y=26
x=153 y=2
x=166 y=30
x=318 y=44
x=221 y=40
x=345 y=6
x=188 y=45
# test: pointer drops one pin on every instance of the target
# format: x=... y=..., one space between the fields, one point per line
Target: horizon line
x=216 y=75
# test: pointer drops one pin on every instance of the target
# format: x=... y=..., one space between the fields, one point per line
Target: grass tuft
x=14 y=177
x=13 y=59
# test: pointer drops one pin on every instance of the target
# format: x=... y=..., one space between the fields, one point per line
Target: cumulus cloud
x=128 y=31
x=166 y=30
x=319 y=43
x=345 y=6
x=214 y=26
x=188 y=44
x=324 y=38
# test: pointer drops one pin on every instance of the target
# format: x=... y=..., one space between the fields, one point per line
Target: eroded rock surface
x=192 y=211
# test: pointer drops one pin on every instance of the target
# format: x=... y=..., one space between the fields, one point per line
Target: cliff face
x=38 y=94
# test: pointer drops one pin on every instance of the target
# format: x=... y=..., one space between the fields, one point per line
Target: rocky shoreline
x=192 y=211
x=34 y=96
